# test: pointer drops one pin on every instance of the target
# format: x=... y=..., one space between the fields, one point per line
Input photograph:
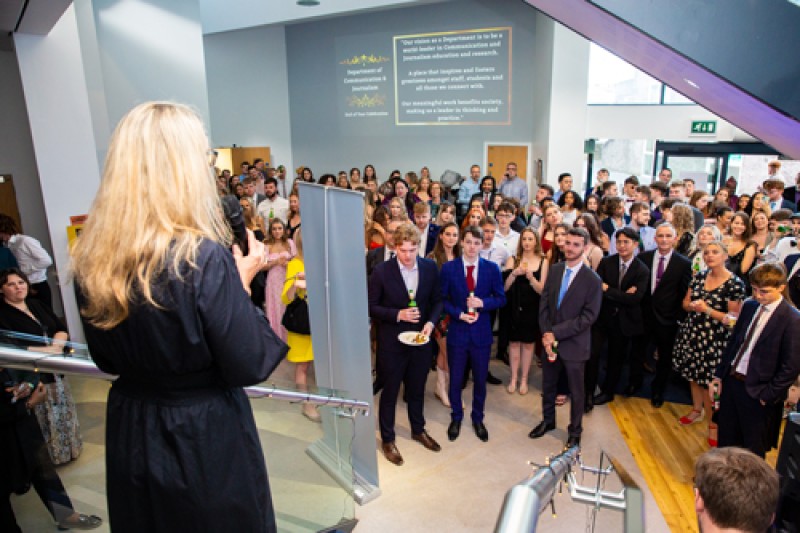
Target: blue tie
x=564 y=286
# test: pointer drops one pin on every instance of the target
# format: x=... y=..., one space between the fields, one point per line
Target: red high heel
x=712 y=435
x=694 y=416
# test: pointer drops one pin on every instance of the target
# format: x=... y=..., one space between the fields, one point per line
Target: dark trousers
x=478 y=358
x=410 y=368
x=503 y=324
x=593 y=364
x=618 y=346
x=742 y=420
x=664 y=339
x=8 y=521
x=575 y=380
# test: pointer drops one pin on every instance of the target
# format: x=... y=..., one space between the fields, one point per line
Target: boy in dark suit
x=394 y=285
x=624 y=284
x=759 y=364
x=471 y=288
x=569 y=305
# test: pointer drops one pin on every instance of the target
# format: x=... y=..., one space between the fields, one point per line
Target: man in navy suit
x=759 y=364
x=472 y=287
x=570 y=304
x=404 y=296
x=428 y=232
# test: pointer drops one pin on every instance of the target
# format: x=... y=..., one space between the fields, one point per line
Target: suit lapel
x=776 y=318
x=559 y=268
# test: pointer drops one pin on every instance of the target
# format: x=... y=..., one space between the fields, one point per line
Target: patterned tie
x=486 y=201
x=623 y=269
x=564 y=286
x=748 y=339
x=471 y=278
x=659 y=271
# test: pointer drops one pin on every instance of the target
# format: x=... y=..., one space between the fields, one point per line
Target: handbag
x=295 y=318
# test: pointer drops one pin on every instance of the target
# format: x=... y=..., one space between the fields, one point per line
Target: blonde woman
x=683 y=221
x=397 y=210
x=704 y=236
x=165 y=306
x=713 y=296
x=300 y=350
x=526 y=273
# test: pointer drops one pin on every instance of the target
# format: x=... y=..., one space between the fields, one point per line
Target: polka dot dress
x=701 y=339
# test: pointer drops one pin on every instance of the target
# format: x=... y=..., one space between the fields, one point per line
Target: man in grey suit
x=570 y=304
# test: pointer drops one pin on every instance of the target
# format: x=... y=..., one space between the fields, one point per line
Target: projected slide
x=453 y=78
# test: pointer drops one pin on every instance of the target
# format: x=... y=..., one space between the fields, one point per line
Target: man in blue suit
x=471 y=288
x=570 y=304
x=404 y=296
x=759 y=364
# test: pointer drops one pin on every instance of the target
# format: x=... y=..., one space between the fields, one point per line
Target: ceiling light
x=308 y=3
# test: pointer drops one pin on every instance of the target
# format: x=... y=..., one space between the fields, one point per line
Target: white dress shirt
x=509 y=241
x=279 y=206
x=33 y=260
x=496 y=254
x=410 y=277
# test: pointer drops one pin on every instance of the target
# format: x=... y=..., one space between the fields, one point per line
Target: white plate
x=410 y=338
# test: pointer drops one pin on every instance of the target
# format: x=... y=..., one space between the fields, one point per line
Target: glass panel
x=615 y=81
x=701 y=169
x=306 y=496
x=674 y=97
x=624 y=158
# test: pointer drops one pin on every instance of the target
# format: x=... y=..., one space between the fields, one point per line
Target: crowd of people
x=672 y=279
x=663 y=269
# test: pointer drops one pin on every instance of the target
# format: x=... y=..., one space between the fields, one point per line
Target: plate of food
x=413 y=338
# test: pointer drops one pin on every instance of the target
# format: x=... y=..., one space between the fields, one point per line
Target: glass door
x=704 y=170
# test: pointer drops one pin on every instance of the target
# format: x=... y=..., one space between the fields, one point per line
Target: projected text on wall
x=453 y=78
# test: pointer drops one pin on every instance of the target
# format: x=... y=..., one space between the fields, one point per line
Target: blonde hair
x=156 y=149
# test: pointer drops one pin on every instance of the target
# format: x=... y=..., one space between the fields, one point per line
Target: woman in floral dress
x=712 y=303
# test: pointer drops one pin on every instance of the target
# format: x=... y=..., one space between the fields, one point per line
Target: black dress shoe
x=541 y=429
x=491 y=380
x=588 y=406
x=480 y=431
x=603 y=398
x=657 y=400
x=454 y=429
x=630 y=390
x=427 y=441
x=571 y=442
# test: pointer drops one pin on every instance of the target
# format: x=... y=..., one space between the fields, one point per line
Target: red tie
x=486 y=201
x=471 y=278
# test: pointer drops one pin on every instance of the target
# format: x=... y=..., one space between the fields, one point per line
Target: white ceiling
x=227 y=15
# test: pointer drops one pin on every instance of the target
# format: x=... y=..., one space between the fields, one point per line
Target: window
x=615 y=81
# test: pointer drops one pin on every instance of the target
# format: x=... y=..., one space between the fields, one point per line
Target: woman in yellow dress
x=300 y=350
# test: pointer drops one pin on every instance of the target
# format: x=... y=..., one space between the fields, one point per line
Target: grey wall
x=318 y=140
x=248 y=91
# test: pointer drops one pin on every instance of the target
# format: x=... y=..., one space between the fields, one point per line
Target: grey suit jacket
x=571 y=323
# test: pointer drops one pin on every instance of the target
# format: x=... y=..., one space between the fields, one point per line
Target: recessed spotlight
x=690 y=82
x=308 y=3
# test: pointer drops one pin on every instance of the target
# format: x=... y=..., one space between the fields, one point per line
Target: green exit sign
x=704 y=127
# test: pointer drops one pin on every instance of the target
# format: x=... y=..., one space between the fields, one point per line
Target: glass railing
x=308 y=462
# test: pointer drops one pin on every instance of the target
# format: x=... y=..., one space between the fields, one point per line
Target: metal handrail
x=527 y=499
x=21 y=359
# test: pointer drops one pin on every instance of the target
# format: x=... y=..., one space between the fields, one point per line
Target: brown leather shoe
x=392 y=453
x=427 y=441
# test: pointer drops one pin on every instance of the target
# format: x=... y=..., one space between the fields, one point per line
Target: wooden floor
x=665 y=452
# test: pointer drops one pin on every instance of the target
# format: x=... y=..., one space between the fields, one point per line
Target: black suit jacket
x=433 y=234
x=571 y=324
x=387 y=295
x=665 y=305
x=790 y=194
x=375 y=257
x=775 y=355
x=620 y=307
